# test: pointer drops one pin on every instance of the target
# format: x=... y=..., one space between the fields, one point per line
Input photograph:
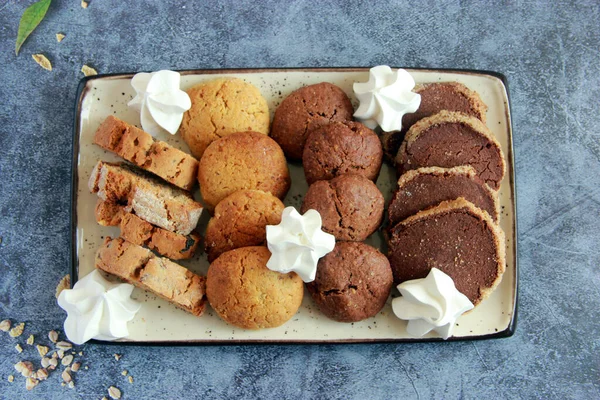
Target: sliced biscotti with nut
x=140 y=267
x=141 y=149
x=164 y=242
x=149 y=198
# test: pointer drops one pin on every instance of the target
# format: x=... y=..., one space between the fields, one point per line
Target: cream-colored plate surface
x=158 y=321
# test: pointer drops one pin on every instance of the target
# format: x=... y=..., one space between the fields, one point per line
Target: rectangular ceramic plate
x=159 y=322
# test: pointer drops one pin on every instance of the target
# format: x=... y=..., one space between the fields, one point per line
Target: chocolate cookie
x=243 y=160
x=455 y=237
x=339 y=148
x=306 y=109
x=435 y=97
x=351 y=206
x=245 y=293
x=449 y=139
x=240 y=220
x=352 y=283
x=221 y=107
x=426 y=187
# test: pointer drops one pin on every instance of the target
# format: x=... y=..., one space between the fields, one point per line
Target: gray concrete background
x=550 y=54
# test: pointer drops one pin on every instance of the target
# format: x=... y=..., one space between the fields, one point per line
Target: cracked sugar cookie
x=351 y=206
x=245 y=293
x=221 y=107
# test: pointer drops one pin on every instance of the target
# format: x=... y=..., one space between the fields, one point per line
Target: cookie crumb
x=84 y=4
x=114 y=393
x=30 y=340
x=17 y=330
x=124 y=373
x=60 y=37
x=88 y=71
x=18 y=348
x=53 y=336
x=118 y=356
x=11 y=378
x=71 y=385
x=130 y=379
x=42 y=61
x=65 y=283
x=5 y=325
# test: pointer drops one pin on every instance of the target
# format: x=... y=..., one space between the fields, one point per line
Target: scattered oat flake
x=114 y=393
x=130 y=379
x=11 y=378
x=118 y=356
x=17 y=330
x=88 y=71
x=71 y=385
x=61 y=354
x=66 y=376
x=25 y=368
x=43 y=61
x=80 y=353
x=30 y=340
x=19 y=348
x=41 y=374
x=53 y=336
x=67 y=360
x=65 y=283
x=45 y=362
x=60 y=37
x=5 y=325
x=75 y=366
x=84 y=4
x=64 y=345
x=43 y=350
x=30 y=383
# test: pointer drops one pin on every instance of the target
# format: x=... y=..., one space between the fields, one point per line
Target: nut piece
x=65 y=283
x=67 y=360
x=114 y=393
x=17 y=330
x=64 y=345
x=88 y=71
x=41 y=374
x=19 y=348
x=11 y=378
x=66 y=376
x=42 y=61
x=60 y=37
x=30 y=340
x=5 y=325
x=75 y=366
x=30 y=383
x=53 y=336
x=25 y=368
x=43 y=350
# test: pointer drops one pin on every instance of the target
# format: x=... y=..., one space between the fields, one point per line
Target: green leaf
x=33 y=15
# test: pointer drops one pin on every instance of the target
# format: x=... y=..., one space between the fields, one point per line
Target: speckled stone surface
x=551 y=57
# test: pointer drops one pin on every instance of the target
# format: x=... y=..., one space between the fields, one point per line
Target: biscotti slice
x=449 y=139
x=141 y=149
x=435 y=97
x=108 y=213
x=140 y=267
x=149 y=198
x=169 y=244
x=456 y=237
x=426 y=187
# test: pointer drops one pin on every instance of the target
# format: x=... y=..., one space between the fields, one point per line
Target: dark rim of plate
x=81 y=92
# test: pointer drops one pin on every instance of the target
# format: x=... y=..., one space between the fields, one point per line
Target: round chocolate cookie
x=243 y=160
x=340 y=148
x=351 y=206
x=457 y=238
x=352 y=283
x=426 y=187
x=240 y=220
x=221 y=107
x=449 y=139
x=306 y=109
x=245 y=293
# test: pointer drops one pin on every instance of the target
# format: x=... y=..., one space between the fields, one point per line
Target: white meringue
x=385 y=98
x=97 y=309
x=160 y=101
x=431 y=303
x=297 y=243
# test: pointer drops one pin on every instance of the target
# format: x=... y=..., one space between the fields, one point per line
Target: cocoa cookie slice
x=351 y=206
x=435 y=97
x=426 y=187
x=352 y=283
x=243 y=160
x=339 y=148
x=449 y=139
x=245 y=293
x=457 y=238
x=221 y=107
x=306 y=109
x=240 y=220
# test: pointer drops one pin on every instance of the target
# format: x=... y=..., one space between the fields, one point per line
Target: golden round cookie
x=240 y=220
x=221 y=107
x=243 y=160
x=245 y=293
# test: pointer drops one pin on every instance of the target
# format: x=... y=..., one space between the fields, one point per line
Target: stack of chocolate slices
x=445 y=212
